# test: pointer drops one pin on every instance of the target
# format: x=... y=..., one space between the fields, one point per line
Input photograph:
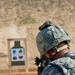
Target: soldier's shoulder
x=52 y=70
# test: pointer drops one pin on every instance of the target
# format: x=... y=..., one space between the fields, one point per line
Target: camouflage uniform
x=62 y=66
x=49 y=38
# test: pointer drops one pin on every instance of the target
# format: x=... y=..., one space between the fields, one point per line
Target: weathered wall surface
x=21 y=18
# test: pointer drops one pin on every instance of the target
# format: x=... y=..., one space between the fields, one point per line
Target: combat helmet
x=50 y=36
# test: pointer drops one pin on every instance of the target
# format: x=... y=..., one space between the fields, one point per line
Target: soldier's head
x=51 y=40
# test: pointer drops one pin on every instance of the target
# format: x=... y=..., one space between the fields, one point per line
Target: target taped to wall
x=17 y=56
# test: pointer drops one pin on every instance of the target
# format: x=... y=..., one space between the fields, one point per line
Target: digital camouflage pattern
x=62 y=66
x=50 y=37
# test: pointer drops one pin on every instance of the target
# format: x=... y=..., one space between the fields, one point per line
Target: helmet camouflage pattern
x=50 y=37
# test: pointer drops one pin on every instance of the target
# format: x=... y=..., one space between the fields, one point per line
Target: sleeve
x=52 y=70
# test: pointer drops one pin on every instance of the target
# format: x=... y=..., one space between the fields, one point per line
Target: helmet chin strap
x=61 y=48
x=57 y=50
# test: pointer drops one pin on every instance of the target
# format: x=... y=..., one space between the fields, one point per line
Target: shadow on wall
x=3 y=55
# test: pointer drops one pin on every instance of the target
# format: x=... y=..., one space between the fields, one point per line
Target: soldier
x=53 y=45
